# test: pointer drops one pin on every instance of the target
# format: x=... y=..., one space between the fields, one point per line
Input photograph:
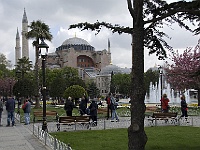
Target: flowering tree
x=6 y=86
x=182 y=74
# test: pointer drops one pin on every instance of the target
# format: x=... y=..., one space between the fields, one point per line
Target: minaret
x=17 y=48
x=25 y=47
x=108 y=46
x=109 y=53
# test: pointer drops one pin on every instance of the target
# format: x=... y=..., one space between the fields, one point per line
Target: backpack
x=108 y=100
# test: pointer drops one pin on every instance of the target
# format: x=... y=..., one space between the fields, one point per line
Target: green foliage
x=39 y=29
x=57 y=80
x=92 y=90
x=122 y=83
x=24 y=65
x=74 y=91
x=57 y=87
x=25 y=87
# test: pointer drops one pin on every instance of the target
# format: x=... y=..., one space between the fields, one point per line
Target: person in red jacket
x=164 y=103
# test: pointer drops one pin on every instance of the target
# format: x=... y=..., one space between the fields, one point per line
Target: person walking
x=1 y=110
x=10 y=107
x=184 y=107
x=113 y=107
x=164 y=103
x=93 y=111
x=69 y=105
x=27 y=110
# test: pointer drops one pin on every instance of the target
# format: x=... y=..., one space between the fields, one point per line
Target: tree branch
x=130 y=8
x=174 y=11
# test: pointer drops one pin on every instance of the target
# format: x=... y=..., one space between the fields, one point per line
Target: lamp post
x=43 y=50
x=161 y=84
x=18 y=74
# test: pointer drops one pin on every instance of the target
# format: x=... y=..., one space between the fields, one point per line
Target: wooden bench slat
x=70 y=120
x=39 y=114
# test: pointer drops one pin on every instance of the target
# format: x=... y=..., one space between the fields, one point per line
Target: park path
x=18 y=137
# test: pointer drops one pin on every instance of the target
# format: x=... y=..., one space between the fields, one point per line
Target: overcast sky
x=59 y=14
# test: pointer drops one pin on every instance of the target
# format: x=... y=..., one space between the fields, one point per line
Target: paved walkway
x=18 y=137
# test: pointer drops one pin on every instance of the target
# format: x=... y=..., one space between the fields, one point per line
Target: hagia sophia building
x=77 y=53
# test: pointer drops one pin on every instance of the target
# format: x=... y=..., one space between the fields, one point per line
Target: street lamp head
x=160 y=69
x=43 y=48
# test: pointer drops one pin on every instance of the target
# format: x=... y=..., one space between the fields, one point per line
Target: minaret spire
x=109 y=53
x=24 y=19
x=17 y=48
x=108 y=45
x=25 y=46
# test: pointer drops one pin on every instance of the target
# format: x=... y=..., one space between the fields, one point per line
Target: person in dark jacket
x=108 y=101
x=93 y=112
x=184 y=107
x=27 y=110
x=69 y=105
x=83 y=105
x=10 y=107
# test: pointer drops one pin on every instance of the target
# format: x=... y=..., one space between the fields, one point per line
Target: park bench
x=172 y=116
x=151 y=108
x=73 y=120
x=102 y=110
x=50 y=116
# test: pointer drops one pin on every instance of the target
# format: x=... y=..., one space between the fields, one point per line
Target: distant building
x=103 y=79
x=78 y=53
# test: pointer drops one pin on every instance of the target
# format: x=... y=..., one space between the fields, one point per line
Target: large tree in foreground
x=149 y=17
x=38 y=30
x=182 y=73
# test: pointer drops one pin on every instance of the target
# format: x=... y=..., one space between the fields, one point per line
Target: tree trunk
x=136 y=134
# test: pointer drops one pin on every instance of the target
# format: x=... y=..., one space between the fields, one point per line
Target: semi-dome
x=75 y=41
x=111 y=68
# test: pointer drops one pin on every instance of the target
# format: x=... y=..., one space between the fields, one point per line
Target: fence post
x=55 y=143
x=38 y=132
x=33 y=129
x=155 y=121
x=104 y=124
x=192 y=121
x=45 y=137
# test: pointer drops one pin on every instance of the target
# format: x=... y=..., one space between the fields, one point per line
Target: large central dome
x=75 y=41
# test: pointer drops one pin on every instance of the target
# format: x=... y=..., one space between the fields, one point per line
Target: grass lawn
x=159 y=138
